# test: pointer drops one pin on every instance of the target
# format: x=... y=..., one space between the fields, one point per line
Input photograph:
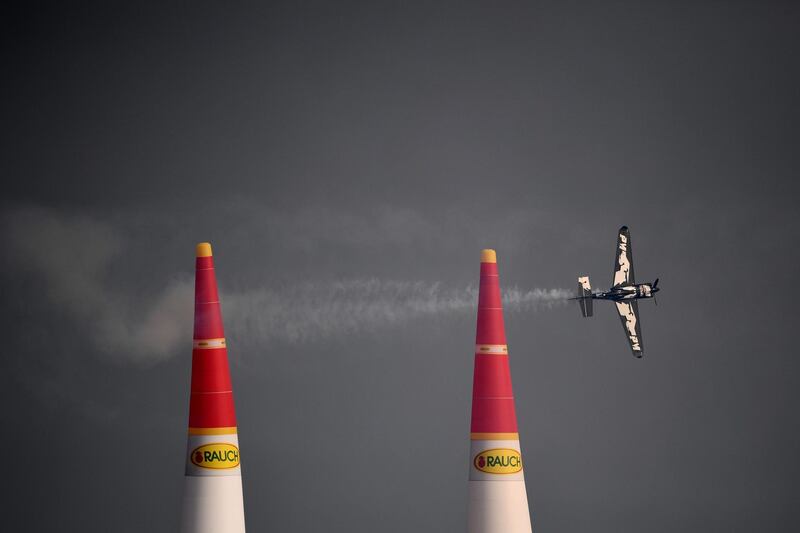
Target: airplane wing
x=629 y=314
x=623 y=265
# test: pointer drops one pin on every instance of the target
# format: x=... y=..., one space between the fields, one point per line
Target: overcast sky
x=348 y=163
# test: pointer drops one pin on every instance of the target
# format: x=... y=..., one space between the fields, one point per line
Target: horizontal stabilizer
x=585 y=296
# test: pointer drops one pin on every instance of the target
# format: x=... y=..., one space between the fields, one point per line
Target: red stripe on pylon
x=208 y=321
x=211 y=403
x=493 y=416
x=207 y=314
x=212 y=410
x=210 y=371
x=495 y=377
x=490 y=328
x=492 y=394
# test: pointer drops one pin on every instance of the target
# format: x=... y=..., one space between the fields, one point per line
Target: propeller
x=654 y=287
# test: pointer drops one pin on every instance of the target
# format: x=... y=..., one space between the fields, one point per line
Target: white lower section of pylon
x=498 y=507
x=498 y=502
x=212 y=504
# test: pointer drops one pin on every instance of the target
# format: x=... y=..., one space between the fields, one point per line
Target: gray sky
x=348 y=163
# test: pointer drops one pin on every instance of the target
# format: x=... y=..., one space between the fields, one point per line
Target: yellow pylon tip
x=204 y=249
x=488 y=256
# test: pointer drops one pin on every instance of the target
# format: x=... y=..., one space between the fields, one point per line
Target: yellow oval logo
x=216 y=455
x=498 y=461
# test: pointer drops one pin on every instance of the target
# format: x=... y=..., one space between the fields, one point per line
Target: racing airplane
x=624 y=293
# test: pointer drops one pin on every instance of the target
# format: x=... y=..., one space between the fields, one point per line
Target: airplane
x=624 y=293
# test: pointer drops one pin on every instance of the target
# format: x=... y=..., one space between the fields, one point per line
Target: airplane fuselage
x=626 y=292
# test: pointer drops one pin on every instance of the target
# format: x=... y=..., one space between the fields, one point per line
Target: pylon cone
x=498 y=502
x=212 y=501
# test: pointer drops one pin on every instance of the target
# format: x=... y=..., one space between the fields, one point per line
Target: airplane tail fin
x=585 y=296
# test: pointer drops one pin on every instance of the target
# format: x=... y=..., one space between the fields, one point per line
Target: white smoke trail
x=71 y=259
x=311 y=311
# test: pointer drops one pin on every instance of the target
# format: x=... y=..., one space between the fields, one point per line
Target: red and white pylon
x=498 y=502
x=212 y=501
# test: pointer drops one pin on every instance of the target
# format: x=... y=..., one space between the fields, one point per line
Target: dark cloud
x=339 y=154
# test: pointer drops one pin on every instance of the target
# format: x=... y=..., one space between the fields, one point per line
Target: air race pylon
x=498 y=502
x=212 y=500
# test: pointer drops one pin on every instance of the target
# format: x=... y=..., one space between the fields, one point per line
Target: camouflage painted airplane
x=624 y=293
